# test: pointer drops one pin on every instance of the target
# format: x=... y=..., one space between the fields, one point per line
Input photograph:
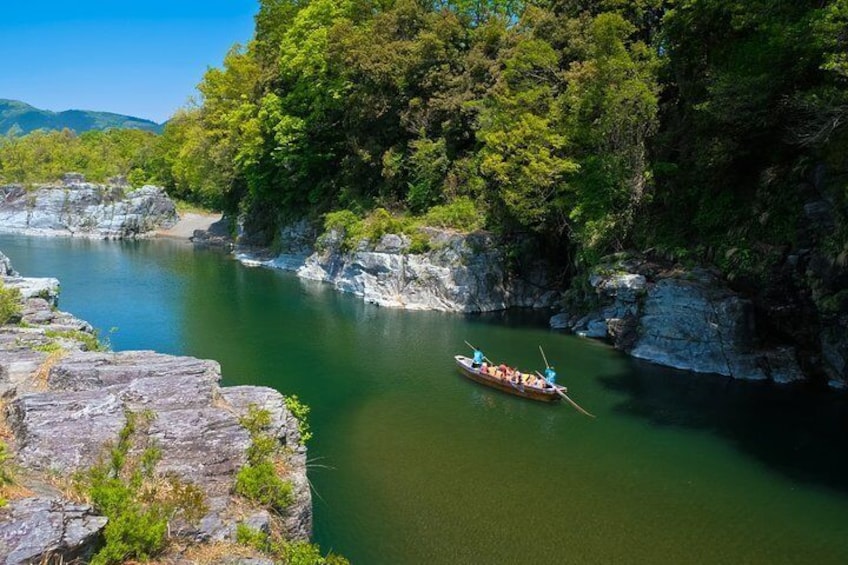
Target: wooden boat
x=547 y=394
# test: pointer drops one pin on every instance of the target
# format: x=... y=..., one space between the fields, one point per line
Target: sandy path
x=189 y=222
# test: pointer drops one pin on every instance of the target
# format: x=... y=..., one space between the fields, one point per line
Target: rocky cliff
x=63 y=404
x=684 y=318
x=459 y=273
x=81 y=209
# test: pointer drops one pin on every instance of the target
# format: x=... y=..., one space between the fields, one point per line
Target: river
x=411 y=463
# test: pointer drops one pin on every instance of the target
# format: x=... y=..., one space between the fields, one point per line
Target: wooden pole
x=547 y=365
x=565 y=396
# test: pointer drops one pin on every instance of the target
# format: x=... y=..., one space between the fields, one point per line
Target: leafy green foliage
x=10 y=304
x=89 y=341
x=462 y=215
x=692 y=127
x=291 y=553
x=5 y=473
x=300 y=411
x=259 y=480
x=260 y=483
x=138 y=503
x=44 y=156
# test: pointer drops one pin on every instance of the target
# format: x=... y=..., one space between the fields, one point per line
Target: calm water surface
x=413 y=464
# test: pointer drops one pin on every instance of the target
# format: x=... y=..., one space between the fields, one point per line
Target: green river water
x=411 y=463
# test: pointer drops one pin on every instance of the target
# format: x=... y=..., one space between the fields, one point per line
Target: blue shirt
x=478 y=357
x=550 y=375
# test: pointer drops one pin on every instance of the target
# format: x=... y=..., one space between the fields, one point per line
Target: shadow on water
x=794 y=430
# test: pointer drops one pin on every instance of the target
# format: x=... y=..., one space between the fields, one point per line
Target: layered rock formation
x=63 y=405
x=80 y=209
x=687 y=319
x=461 y=273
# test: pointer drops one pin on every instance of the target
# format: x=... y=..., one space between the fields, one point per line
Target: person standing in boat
x=550 y=376
x=478 y=359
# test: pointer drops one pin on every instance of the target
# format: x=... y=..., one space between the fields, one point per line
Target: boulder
x=195 y=424
x=6 y=269
x=701 y=327
x=834 y=348
x=78 y=208
x=45 y=288
x=33 y=530
x=687 y=319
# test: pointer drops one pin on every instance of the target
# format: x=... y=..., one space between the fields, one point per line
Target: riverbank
x=697 y=467
x=67 y=400
x=189 y=223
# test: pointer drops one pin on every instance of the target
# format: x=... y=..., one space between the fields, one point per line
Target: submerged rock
x=81 y=209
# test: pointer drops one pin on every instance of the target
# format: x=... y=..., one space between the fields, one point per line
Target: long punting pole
x=542 y=351
x=565 y=396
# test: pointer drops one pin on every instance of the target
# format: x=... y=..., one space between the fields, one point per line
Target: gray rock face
x=464 y=273
x=64 y=410
x=297 y=518
x=684 y=319
x=81 y=209
x=45 y=288
x=34 y=529
x=699 y=327
x=6 y=269
x=834 y=348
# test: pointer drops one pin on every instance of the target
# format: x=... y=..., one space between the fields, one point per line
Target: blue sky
x=137 y=57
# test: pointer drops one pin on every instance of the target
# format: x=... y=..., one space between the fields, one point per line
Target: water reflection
x=796 y=430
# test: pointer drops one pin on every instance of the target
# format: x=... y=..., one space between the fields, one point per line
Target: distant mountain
x=23 y=117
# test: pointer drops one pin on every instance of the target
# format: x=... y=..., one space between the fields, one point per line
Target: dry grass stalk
x=212 y=553
x=42 y=374
x=6 y=434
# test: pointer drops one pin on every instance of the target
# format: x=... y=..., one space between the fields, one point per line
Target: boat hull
x=464 y=364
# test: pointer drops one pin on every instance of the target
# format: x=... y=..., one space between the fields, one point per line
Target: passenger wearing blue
x=550 y=376
x=478 y=359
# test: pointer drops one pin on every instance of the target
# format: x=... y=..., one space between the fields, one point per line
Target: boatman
x=550 y=376
x=478 y=358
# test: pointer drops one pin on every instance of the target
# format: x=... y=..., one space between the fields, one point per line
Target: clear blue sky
x=137 y=57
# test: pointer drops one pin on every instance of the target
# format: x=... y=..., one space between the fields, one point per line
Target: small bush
x=90 y=342
x=300 y=411
x=138 y=504
x=346 y=223
x=260 y=483
x=258 y=480
x=461 y=215
x=291 y=553
x=5 y=472
x=373 y=227
x=10 y=304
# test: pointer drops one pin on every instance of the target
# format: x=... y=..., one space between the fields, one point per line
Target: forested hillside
x=22 y=118
x=694 y=126
x=698 y=128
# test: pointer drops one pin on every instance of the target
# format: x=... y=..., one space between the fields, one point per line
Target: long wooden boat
x=547 y=394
